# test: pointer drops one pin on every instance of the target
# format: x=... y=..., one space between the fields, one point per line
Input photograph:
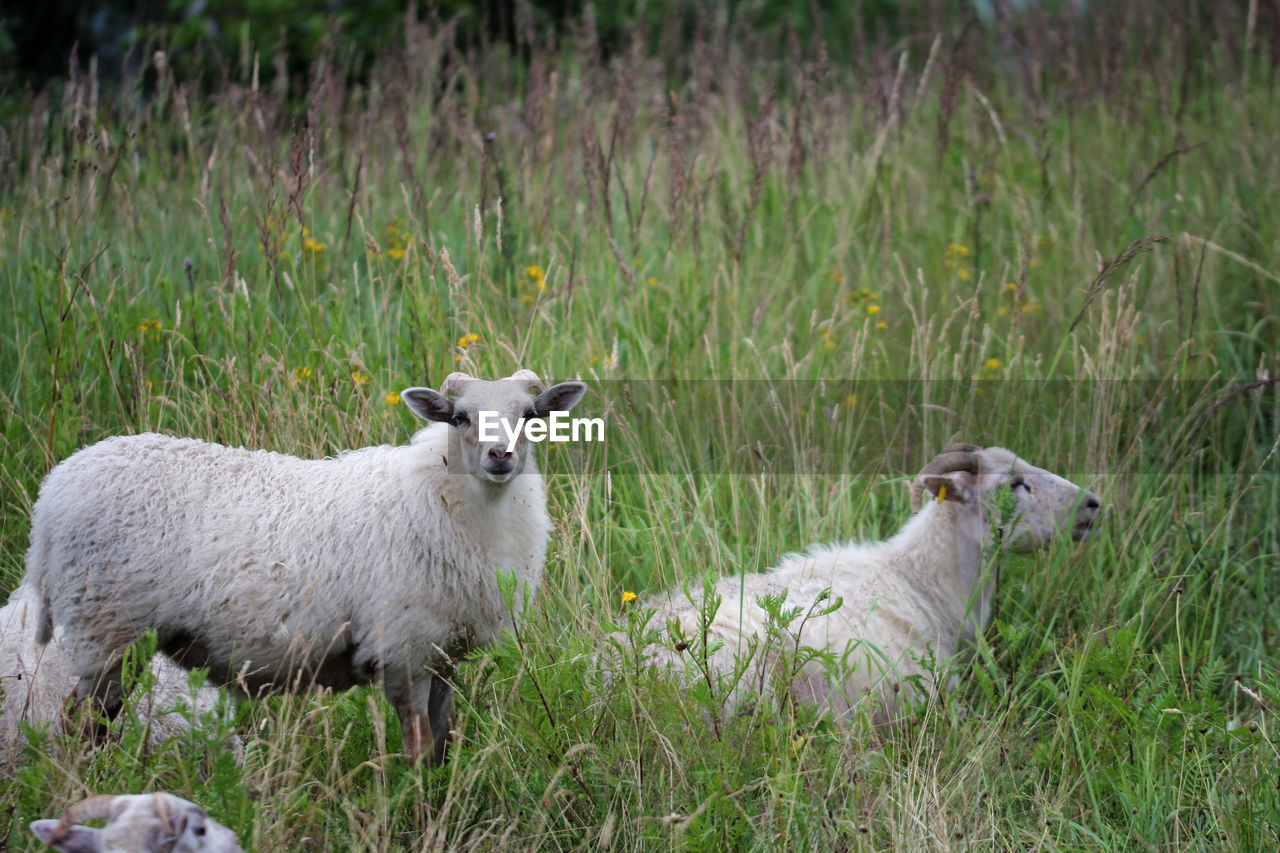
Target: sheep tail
x=44 y=620
x=37 y=561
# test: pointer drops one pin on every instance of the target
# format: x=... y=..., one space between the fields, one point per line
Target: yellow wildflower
x=653 y=282
x=538 y=276
x=315 y=247
x=881 y=326
x=392 y=399
x=1011 y=287
x=627 y=597
x=991 y=364
x=963 y=273
x=468 y=339
x=301 y=374
x=873 y=310
x=150 y=328
x=358 y=377
x=398 y=242
x=835 y=275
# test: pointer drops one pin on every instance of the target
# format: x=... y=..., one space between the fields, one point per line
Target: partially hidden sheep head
x=137 y=823
x=507 y=403
x=1045 y=505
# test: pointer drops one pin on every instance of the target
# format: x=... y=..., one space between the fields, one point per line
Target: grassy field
x=789 y=281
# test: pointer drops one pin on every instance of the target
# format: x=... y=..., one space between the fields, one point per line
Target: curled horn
x=957 y=457
x=94 y=808
x=454 y=383
x=532 y=383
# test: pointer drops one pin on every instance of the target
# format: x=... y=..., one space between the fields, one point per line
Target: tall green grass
x=788 y=283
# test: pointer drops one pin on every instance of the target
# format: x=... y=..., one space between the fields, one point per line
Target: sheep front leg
x=440 y=711
x=424 y=714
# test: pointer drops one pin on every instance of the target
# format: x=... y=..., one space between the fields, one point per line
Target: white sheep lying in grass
x=275 y=573
x=903 y=601
x=37 y=681
x=137 y=823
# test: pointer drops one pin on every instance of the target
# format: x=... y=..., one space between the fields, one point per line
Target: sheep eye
x=1020 y=483
x=460 y=419
x=530 y=415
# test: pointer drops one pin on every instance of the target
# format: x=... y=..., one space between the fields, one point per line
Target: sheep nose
x=498 y=454
x=1091 y=501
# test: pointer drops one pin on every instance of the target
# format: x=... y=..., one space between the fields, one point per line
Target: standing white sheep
x=902 y=601
x=137 y=823
x=37 y=681
x=274 y=572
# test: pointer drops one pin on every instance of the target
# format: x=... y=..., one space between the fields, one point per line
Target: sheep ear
x=77 y=839
x=559 y=398
x=428 y=404
x=948 y=487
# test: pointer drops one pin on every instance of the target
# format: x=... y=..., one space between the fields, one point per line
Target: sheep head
x=505 y=404
x=1046 y=505
x=141 y=823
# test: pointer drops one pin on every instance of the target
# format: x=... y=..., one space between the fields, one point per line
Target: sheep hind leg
x=102 y=687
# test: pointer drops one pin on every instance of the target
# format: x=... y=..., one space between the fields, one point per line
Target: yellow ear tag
x=942 y=493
